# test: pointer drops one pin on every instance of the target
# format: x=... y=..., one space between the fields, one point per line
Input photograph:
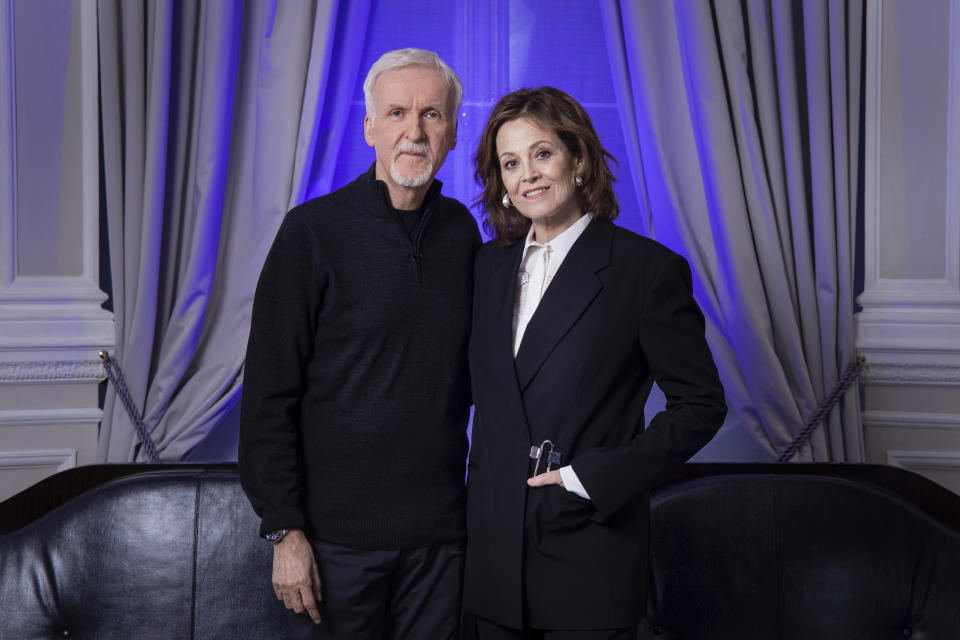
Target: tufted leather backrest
x=159 y=555
x=779 y=556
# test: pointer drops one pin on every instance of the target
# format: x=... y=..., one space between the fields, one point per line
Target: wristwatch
x=276 y=536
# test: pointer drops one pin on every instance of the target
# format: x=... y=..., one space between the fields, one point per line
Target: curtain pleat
x=747 y=120
x=214 y=117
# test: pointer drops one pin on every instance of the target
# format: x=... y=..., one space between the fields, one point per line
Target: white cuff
x=572 y=483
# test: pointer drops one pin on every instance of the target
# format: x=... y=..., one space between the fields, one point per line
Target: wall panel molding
x=21 y=417
x=920 y=461
x=57 y=459
x=909 y=328
x=8 y=145
x=953 y=150
x=879 y=291
x=910 y=419
x=912 y=374
x=52 y=371
x=911 y=367
x=38 y=313
x=52 y=324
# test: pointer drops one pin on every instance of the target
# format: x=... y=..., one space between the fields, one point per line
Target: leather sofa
x=804 y=552
x=738 y=552
x=164 y=553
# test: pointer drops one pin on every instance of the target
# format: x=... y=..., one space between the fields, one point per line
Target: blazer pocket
x=557 y=510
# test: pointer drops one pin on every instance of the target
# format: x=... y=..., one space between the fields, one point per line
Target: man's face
x=414 y=126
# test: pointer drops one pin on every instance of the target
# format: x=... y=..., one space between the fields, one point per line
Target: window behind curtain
x=496 y=47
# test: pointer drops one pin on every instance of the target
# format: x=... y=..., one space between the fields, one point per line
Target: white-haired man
x=356 y=398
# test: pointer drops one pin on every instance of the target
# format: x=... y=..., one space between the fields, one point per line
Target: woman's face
x=538 y=172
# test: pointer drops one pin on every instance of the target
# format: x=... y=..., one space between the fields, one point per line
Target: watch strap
x=276 y=536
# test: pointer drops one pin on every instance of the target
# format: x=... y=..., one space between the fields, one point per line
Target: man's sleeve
x=282 y=326
x=671 y=334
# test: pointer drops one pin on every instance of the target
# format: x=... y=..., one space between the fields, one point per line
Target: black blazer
x=618 y=315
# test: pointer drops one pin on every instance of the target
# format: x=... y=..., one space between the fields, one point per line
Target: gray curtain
x=214 y=115
x=744 y=118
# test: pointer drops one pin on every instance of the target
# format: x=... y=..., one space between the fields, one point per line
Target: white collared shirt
x=538 y=267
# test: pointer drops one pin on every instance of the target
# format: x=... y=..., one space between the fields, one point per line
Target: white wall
x=909 y=329
x=51 y=323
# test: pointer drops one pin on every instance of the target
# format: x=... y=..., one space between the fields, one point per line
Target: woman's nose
x=529 y=173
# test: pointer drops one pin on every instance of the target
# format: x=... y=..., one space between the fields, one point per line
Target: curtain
x=214 y=117
x=746 y=120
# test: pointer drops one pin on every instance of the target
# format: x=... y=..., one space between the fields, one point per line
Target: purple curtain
x=744 y=120
x=217 y=117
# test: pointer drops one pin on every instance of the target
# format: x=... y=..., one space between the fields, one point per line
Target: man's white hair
x=407 y=58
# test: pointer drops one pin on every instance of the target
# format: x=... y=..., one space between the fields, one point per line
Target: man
x=355 y=401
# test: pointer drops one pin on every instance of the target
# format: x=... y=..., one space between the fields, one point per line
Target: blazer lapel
x=569 y=294
x=500 y=320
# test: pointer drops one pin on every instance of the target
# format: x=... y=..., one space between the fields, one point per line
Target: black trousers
x=487 y=630
x=387 y=594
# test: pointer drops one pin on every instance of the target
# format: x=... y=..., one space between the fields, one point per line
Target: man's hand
x=295 y=577
x=542 y=480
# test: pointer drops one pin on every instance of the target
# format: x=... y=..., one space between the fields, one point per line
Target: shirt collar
x=562 y=243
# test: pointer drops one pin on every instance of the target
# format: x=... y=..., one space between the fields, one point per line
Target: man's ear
x=368 y=130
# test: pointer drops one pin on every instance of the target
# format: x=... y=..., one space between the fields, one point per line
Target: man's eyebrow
x=429 y=107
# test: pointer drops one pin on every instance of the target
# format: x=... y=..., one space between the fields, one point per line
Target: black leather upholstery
x=738 y=552
x=804 y=557
x=158 y=555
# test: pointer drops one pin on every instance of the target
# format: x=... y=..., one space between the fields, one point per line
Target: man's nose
x=415 y=129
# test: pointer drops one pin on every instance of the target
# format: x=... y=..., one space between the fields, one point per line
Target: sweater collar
x=371 y=178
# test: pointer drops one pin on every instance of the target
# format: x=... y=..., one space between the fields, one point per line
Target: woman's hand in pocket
x=542 y=480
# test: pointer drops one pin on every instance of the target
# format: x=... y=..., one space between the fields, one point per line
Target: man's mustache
x=419 y=148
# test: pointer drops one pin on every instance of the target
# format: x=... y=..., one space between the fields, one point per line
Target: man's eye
x=396 y=113
x=433 y=114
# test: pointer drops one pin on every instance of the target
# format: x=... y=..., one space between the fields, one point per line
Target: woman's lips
x=535 y=193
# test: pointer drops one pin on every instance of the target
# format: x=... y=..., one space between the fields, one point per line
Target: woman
x=573 y=320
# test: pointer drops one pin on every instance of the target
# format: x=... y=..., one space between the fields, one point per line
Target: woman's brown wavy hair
x=555 y=110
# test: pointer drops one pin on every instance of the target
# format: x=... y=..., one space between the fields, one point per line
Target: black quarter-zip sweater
x=356 y=391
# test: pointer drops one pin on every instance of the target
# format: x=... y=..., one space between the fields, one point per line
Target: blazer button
x=657 y=630
x=908 y=632
x=65 y=633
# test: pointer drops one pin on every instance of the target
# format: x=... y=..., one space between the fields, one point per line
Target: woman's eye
x=543 y=154
x=509 y=164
